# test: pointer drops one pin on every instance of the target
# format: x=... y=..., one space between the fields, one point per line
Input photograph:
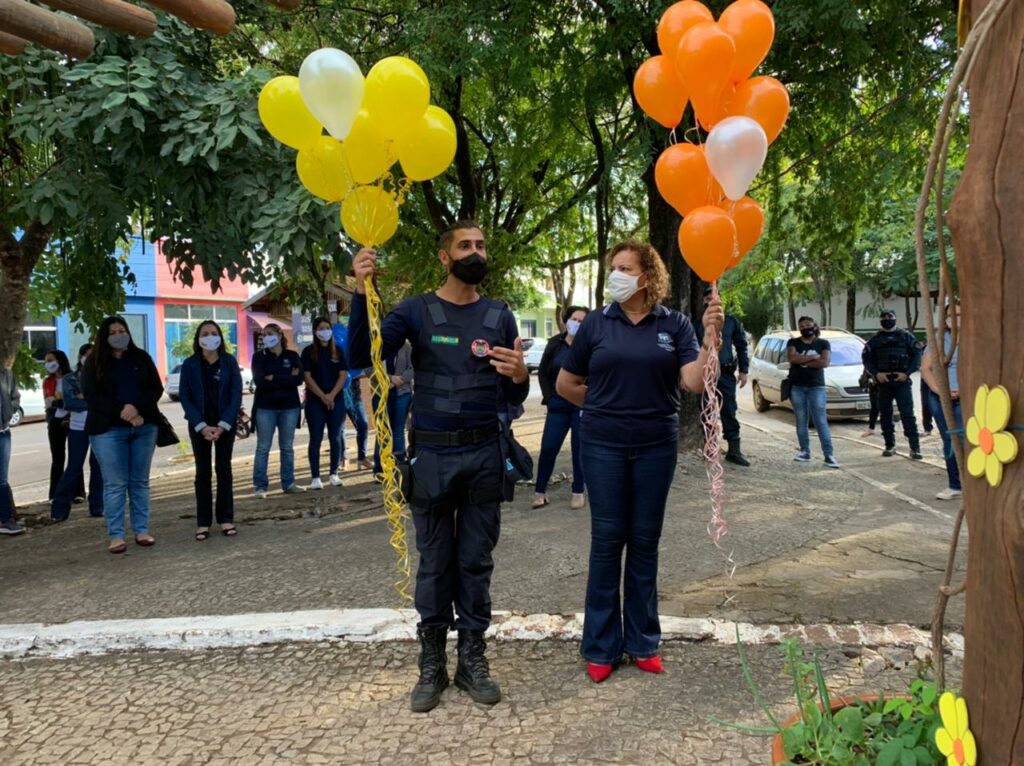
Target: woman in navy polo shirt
x=277 y=373
x=323 y=365
x=211 y=395
x=625 y=369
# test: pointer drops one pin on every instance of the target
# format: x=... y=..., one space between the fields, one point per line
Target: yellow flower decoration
x=993 y=446
x=954 y=739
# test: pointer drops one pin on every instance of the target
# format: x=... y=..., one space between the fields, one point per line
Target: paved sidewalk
x=348 y=704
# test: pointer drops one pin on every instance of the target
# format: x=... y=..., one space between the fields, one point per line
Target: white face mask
x=572 y=326
x=210 y=342
x=52 y=366
x=622 y=286
x=269 y=341
x=324 y=335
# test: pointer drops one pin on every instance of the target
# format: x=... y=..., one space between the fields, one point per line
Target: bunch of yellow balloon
x=371 y=123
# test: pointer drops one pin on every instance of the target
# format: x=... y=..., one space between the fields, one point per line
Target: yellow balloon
x=397 y=94
x=323 y=169
x=428 y=151
x=369 y=154
x=369 y=215
x=284 y=113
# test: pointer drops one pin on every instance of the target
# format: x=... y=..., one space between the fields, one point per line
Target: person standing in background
x=277 y=373
x=563 y=417
x=10 y=400
x=57 y=366
x=353 y=397
x=323 y=365
x=78 y=449
x=927 y=420
x=892 y=356
x=808 y=357
x=954 y=490
x=400 y=372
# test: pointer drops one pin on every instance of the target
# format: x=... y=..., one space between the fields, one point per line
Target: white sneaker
x=949 y=494
x=316 y=483
x=335 y=480
x=260 y=494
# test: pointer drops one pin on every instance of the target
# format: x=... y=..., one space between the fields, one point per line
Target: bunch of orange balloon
x=371 y=123
x=709 y=64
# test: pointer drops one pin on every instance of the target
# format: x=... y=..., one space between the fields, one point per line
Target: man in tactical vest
x=466 y=351
x=891 y=357
x=733 y=337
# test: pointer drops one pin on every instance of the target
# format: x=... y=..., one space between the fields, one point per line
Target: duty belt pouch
x=421 y=480
x=517 y=465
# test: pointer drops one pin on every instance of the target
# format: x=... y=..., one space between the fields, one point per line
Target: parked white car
x=174 y=382
x=535 y=354
x=32 y=406
x=846 y=397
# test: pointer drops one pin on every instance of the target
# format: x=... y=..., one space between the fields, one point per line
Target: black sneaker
x=433 y=670
x=473 y=674
x=831 y=462
x=888 y=452
x=915 y=454
x=11 y=528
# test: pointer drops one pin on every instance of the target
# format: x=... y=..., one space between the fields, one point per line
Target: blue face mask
x=572 y=326
x=269 y=340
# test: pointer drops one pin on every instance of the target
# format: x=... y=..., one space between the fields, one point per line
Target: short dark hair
x=196 y=348
x=807 y=319
x=570 y=310
x=448 y=235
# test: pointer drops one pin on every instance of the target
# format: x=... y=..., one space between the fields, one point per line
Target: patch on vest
x=665 y=341
x=444 y=340
x=480 y=348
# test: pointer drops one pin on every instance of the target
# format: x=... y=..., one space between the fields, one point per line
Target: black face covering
x=471 y=269
x=888 y=324
x=808 y=332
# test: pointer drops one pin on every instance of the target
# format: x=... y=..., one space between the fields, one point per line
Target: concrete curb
x=74 y=639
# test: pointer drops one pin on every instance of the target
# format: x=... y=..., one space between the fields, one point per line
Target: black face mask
x=471 y=269
x=888 y=324
x=808 y=332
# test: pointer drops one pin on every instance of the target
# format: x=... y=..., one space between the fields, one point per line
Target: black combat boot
x=473 y=674
x=433 y=669
x=735 y=454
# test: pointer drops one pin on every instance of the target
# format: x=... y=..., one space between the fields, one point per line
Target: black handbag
x=517 y=464
x=165 y=434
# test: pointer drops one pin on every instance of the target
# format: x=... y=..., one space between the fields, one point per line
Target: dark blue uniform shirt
x=281 y=392
x=324 y=370
x=632 y=374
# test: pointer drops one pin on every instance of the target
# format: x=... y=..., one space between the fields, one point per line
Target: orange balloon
x=749 y=219
x=659 y=91
x=765 y=100
x=676 y=21
x=715 y=192
x=705 y=59
x=752 y=27
x=682 y=177
x=707 y=238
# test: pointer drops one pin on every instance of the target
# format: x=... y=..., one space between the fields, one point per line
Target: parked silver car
x=174 y=381
x=846 y=397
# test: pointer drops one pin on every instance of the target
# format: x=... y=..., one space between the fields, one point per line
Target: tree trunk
x=17 y=260
x=988 y=230
x=851 y=306
x=790 y=302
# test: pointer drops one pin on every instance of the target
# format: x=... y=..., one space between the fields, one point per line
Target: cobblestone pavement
x=811 y=545
x=348 y=704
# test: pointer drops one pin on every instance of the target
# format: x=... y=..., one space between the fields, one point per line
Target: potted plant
x=883 y=729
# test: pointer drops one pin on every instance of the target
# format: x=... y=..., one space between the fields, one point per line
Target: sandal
x=117 y=545
x=144 y=540
x=229 y=531
x=202 y=534
x=539 y=501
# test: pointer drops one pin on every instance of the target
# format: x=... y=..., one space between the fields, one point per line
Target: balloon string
x=394 y=503
x=711 y=420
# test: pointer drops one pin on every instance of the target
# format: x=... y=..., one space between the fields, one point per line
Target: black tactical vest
x=891 y=351
x=451 y=379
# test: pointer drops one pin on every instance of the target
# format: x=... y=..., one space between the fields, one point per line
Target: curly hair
x=651 y=264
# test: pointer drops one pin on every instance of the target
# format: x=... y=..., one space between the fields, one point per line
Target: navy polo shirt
x=632 y=373
x=324 y=370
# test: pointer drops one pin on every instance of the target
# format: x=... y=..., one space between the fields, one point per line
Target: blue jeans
x=952 y=470
x=809 y=403
x=319 y=417
x=285 y=422
x=560 y=421
x=6 y=510
x=628 y=489
x=398 y=416
x=357 y=414
x=67 y=487
x=125 y=455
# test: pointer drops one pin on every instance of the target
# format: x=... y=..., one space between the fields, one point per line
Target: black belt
x=456 y=438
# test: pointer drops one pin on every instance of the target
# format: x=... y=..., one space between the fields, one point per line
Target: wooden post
x=113 y=14
x=11 y=45
x=46 y=28
x=988 y=234
x=214 y=16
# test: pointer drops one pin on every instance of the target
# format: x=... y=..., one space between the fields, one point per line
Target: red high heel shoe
x=651 y=664
x=598 y=673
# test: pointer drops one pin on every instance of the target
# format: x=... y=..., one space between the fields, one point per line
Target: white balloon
x=332 y=87
x=736 y=149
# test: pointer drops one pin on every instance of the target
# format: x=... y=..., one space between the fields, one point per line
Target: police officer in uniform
x=466 y=349
x=891 y=357
x=733 y=337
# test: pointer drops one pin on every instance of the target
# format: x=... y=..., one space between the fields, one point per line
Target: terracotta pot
x=838 y=703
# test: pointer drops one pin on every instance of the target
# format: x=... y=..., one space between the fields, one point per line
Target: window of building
x=528 y=328
x=40 y=336
x=549 y=327
x=180 y=321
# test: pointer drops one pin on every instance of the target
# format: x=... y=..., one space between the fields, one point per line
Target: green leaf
x=850 y=723
x=890 y=754
x=908 y=758
x=140 y=98
x=116 y=98
x=930 y=694
x=891 y=705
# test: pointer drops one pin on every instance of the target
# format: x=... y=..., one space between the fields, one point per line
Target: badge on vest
x=480 y=348
x=444 y=340
x=665 y=341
